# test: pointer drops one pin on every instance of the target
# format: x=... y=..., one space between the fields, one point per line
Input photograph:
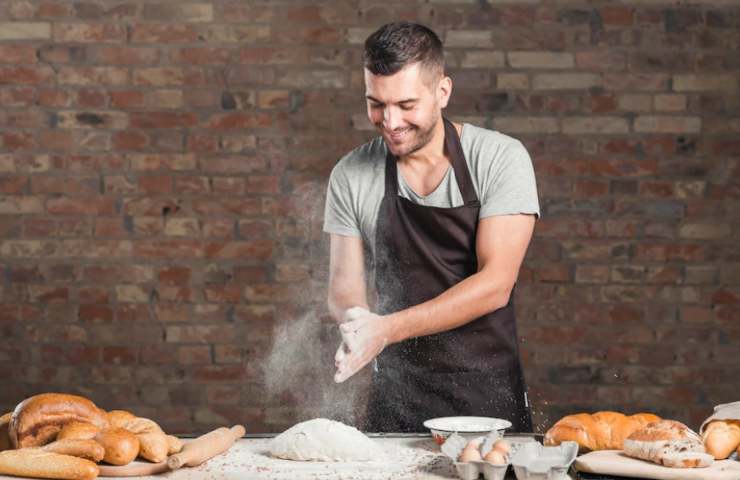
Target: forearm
x=340 y=302
x=472 y=298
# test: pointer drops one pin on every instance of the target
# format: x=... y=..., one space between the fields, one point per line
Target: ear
x=444 y=90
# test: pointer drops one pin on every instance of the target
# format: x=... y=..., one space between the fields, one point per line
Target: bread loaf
x=668 y=443
x=35 y=462
x=116 y=418
x=4 y=438
x=78 y=431
x=121 y=446
x=87 y=448
x=598 y=431
x=152 y=440
x=174 y=445
x=721 y=437
x=38 y=419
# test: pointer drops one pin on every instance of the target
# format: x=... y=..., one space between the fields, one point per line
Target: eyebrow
x=407 y=100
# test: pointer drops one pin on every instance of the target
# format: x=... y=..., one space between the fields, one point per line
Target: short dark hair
x=396 y=45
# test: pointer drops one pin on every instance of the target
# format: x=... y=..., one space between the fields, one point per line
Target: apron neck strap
x=453 y=150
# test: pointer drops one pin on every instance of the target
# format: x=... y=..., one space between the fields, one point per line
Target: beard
x=409 y=139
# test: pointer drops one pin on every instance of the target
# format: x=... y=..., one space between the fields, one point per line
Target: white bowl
x=443 y=427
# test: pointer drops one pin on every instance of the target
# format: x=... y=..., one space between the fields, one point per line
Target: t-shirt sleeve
x=510 y=187
x=339 y=215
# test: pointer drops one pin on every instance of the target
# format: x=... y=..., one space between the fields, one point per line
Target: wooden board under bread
x=134 y=469
x=615 y=462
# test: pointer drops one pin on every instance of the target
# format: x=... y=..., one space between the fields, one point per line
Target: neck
x=434 y=151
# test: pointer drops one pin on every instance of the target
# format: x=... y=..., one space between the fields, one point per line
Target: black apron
x=422 y=251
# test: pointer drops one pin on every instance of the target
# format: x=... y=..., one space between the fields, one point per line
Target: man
x=445 y=212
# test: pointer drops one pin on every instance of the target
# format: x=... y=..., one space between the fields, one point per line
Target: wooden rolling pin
x=202 y=448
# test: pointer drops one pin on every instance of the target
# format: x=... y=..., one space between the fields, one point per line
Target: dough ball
x=324 y=441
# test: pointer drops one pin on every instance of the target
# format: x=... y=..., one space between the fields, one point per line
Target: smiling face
x=406 y=106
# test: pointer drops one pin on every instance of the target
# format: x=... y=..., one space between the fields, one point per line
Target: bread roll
x=116 y=418
x=174 y=445
x=38 y=419
x=121 y=446
x=598 y=431
x=87 y=448
x=668 y=443
x=153 y=441
x=78 y=431
x=35 y=462
x=721 y=437
x=4 y=438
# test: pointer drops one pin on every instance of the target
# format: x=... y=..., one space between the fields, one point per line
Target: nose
x=391 y=118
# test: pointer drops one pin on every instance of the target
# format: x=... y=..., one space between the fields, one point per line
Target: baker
x=442 y=213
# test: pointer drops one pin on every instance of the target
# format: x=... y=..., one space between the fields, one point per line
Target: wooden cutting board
x=615 y=462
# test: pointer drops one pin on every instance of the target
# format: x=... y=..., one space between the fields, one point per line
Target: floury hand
x=364 y=336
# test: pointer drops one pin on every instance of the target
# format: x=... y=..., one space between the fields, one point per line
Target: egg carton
x=529 y=459
x=455 y=444
x=534 y=461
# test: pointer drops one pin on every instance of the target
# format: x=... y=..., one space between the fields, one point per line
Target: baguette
x=121 y=446
x=598 y=431
x=721 y=437
x=37 y=420
x=35 y=462
x=4 y=438
x=668 y=443
x=89 y=449
x=152 y=440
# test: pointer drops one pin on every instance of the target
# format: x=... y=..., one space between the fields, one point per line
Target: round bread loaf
x=37 y=420
x=121 y=446
x=117 y=418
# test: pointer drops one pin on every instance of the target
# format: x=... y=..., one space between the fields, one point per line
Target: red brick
x=257 y=249
x=155 y=184
x=220 y=373
x=163 y=33
x=163 y=120
x=81 y=206
x=119 y=355
x=70 y=354
x=223 y=293
x=169 y=249
x=223 y=121
x=95 y=313
x=126 y=99
x=194 y=355
x=22 y=75
x=175 y=275
x=15 y=54
x=93 y=295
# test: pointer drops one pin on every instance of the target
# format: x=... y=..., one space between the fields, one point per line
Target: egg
x=495 y=457
x=502 y=446
x=470 y=454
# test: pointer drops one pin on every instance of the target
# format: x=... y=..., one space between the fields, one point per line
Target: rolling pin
x=207 y=446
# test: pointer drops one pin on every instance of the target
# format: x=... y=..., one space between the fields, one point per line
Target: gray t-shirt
x=499 y=165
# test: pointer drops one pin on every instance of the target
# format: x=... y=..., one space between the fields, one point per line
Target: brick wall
x=163 y=165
